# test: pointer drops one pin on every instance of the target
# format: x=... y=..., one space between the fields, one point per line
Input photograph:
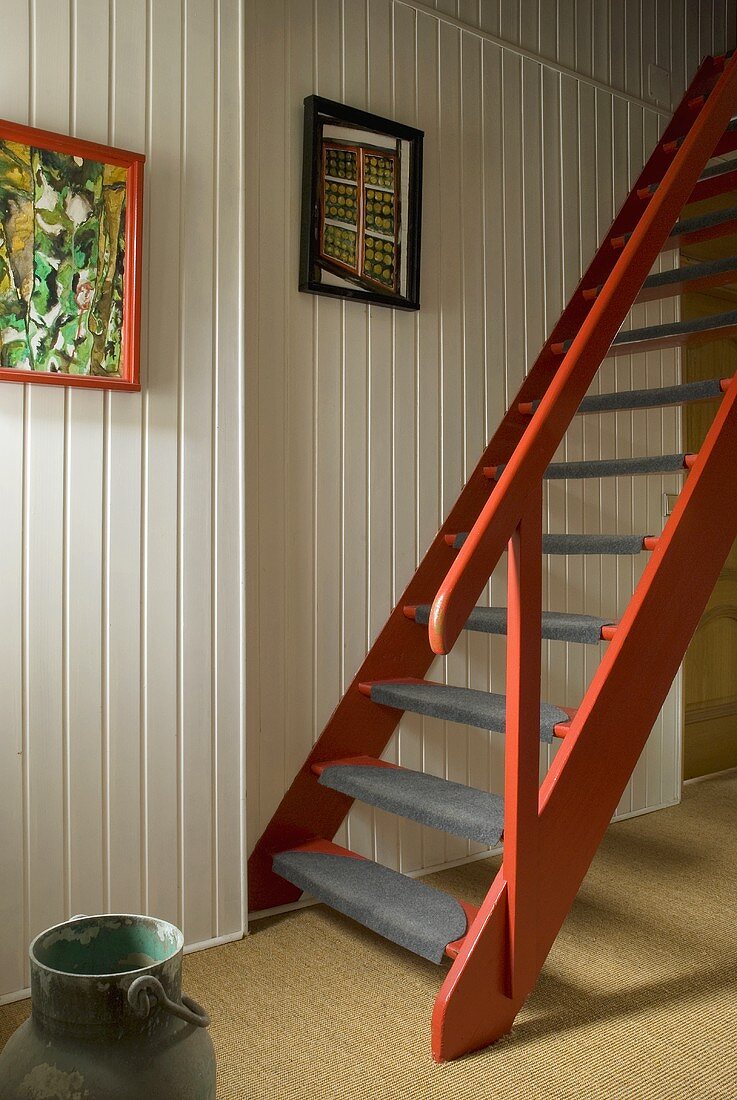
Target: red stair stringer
x=607 y=735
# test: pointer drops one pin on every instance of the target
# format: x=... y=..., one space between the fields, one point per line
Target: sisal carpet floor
x=638 y=999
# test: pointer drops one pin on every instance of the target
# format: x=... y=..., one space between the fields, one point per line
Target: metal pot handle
x=145 y=991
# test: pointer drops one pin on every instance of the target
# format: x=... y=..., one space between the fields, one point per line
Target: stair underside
x=484 y=709
x=401 y=909
x=441 y=804
x=556 y=625
x=582 y=544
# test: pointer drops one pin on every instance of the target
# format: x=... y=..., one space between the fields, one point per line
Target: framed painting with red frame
x=361 y=206
x=71 y=218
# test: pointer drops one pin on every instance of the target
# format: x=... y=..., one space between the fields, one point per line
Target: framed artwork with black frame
x=361 y=206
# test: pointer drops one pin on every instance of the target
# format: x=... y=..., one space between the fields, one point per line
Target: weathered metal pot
x=109 y=1020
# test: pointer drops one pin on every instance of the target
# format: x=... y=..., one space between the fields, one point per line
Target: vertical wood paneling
x=122 y=529
x=46 y=763
x=85 y=441
x=429 y=402
x=612 y=41
x=227 y=500
x=354 y=437
x=15 y=86
x=13 y=742
x=405 y=427
x=474 y=397
x=121 y=778
x=196 y=473
x=523 y=171
x=160 y=483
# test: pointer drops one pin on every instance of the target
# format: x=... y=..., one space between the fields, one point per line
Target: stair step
x=483 y=709
x=610 y=467
x=726 y=143
x=645 y=399
x=717 y=326
x=558 y=626
x=439 y=803
x=699 y=330
x=582 y=544
x=719 y=169
x=703 y=227
x=717 y=179
x=690 y=277
x=401 y=909
x=700 y=227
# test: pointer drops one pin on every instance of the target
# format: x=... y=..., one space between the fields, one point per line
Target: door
x=710 y=667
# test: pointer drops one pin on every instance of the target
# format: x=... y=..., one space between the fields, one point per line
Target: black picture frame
x=397 y=284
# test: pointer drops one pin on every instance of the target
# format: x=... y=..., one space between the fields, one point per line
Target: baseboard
x=9 y=998
x=646 y=810
x=217 y=941
x=305 y=903
x=711 y=775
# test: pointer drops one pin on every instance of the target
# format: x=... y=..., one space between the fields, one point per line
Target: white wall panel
x=363 y=423
x=611 y=41
x=121 y=593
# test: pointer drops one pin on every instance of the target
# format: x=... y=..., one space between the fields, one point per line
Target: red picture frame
x=129 y=376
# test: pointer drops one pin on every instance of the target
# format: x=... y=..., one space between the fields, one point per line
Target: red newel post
x=522 y=753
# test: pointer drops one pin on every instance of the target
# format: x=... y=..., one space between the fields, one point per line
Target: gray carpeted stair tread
x=697 y=222
x=456 y=704
x=439 y=803
x=712 y=323
x=612 y=467
x=719 y=169
x=401 y=909
x=689 y=273
x=560 y=626
x=692 y=271
x=659 y=397
x=581 y=544
x=704 y=221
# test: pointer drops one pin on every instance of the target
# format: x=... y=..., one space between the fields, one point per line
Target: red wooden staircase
x=550 y=832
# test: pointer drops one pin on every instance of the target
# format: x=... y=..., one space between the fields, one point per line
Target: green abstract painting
x=62 y=252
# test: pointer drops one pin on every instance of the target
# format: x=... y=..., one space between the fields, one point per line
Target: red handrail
x=503 y=511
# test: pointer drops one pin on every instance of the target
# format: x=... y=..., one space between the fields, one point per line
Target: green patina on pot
x=109 y=1019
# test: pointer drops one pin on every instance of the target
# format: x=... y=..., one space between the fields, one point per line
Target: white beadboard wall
x=121 y=589
x=614 y=42
x=362 y=423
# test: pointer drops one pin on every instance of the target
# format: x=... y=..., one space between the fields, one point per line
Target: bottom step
x=401 y=909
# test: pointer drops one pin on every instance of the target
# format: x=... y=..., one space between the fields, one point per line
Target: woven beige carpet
x=638 y=999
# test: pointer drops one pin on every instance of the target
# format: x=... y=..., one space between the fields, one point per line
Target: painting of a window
x=361 y=213
x=361 y=205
